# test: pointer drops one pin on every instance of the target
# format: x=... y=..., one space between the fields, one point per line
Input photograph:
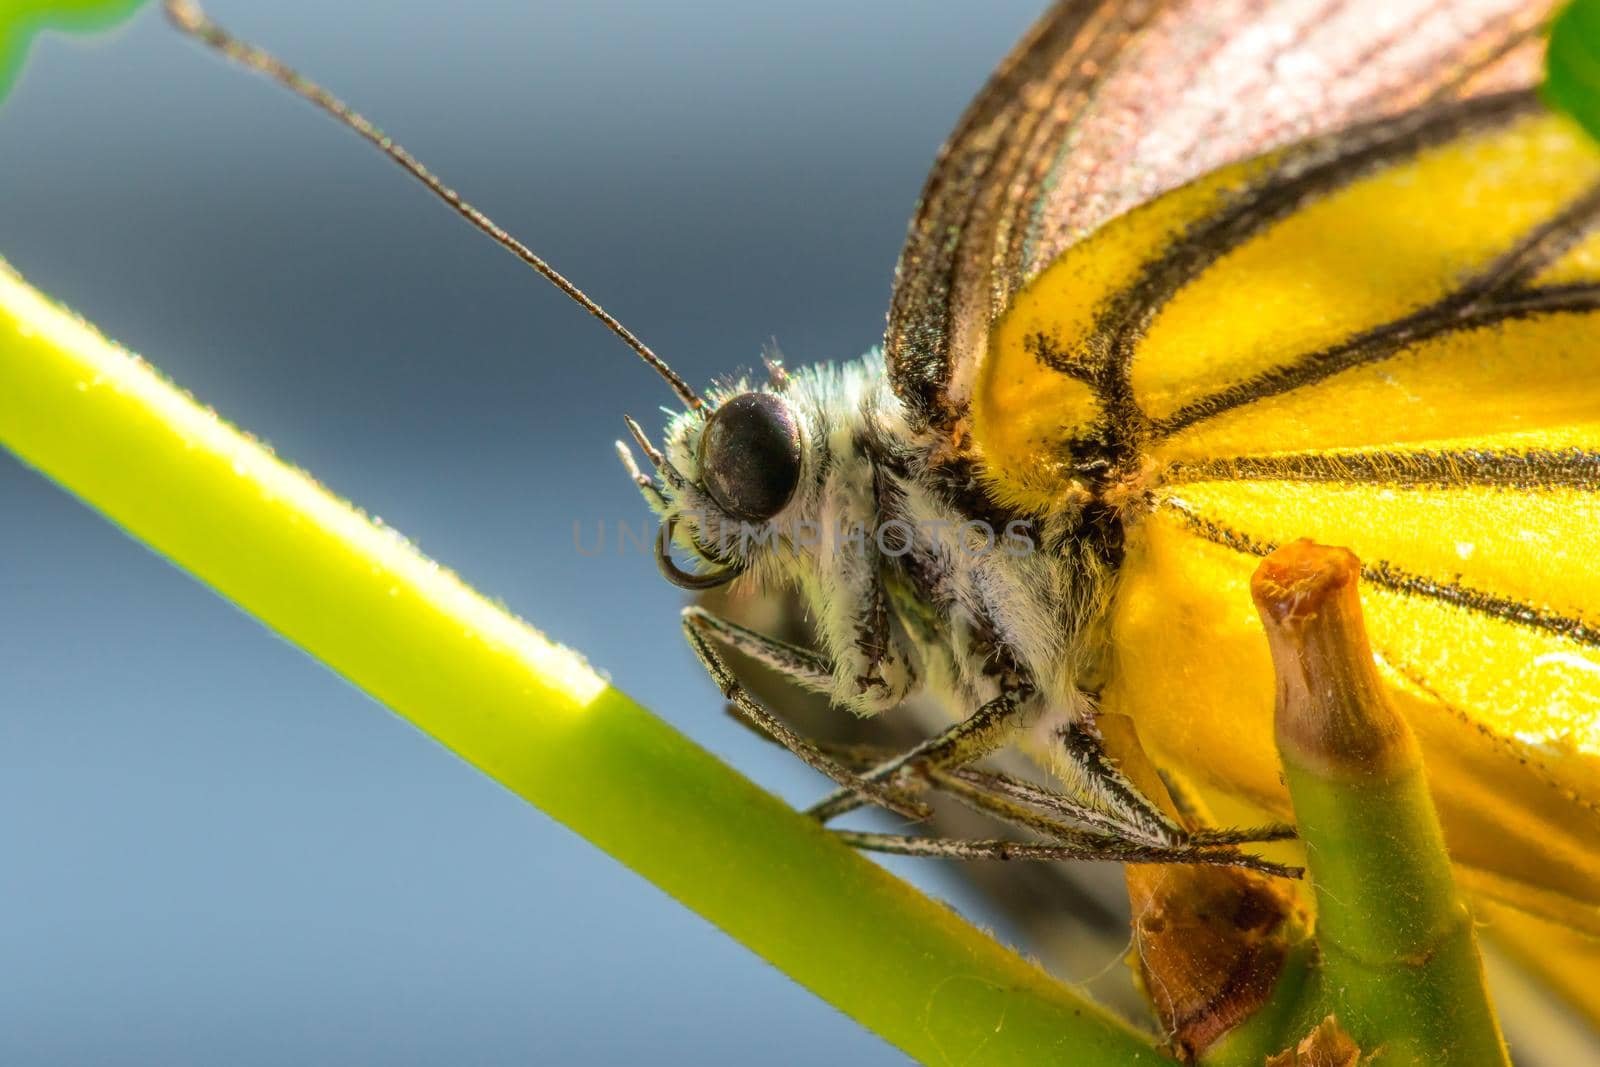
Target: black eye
x=750 y=456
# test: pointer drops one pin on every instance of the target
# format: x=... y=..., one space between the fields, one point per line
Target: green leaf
x=20 y=20
x=1572 y=64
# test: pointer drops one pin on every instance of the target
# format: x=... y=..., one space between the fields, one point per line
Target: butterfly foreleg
x=700 y=627
x=974 y=737
x=1120 y=807
x=1095 y=776
x=799 y=665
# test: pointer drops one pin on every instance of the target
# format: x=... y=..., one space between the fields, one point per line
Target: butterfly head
x=728 y=470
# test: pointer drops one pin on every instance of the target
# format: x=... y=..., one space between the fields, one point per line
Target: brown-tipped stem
x=1210 y=944
x=1331 y=717
x=1398 y=965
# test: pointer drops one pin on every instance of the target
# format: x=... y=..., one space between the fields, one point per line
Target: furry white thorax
x=894 y=615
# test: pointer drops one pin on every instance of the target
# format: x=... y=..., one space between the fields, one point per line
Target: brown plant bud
x=1209 y=942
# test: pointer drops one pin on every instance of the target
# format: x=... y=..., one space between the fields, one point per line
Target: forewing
x=1105 y=105
x=1389 y=340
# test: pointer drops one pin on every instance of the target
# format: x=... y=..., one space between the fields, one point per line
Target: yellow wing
x=1388 y=339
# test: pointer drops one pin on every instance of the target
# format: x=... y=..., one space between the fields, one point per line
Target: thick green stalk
x=1397 y=965
x=528 y=713
x=1399 y=960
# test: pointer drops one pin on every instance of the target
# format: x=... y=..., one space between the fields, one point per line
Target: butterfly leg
x=977 y=735
x=1129 y=825
x=1192 y=810
x=1038 y=810
x=972 y=738
x=1105 y=850
x=1100 y=835
x=801 y=666
x=700 y=626
x=1130 y=811
x=1097 y=777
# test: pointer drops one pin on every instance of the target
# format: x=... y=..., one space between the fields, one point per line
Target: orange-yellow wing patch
x=1388 y=340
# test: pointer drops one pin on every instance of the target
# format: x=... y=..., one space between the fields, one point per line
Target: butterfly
x=1190 y=280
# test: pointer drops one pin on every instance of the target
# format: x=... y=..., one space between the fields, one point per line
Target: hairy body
x=913 y=577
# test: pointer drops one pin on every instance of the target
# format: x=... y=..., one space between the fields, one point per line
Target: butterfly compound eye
x=750 y=456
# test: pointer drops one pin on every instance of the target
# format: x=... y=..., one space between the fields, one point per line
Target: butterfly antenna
x=188 y=17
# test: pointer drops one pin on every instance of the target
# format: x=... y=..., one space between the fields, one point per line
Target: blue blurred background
x=215 y=851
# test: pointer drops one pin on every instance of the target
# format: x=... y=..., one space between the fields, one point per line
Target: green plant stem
x=1397 y=965
x=528 y=713
x=1399 y=962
